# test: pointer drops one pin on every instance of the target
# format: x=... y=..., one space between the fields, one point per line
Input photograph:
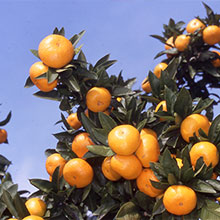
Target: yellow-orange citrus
x=124 y=139
x=204 y=149
x=107 y=170
x=179 y=162
x=3 y=135
x=158 y=68
x=145 y=85
x=179 y=199
x=36 y=206
x=148 y=131
x=80 y=143
x=53 y=161
x=211 y=34
x=144 y=183
x=194 y=25
x=170 y=42
x=163 y=104
x=73 y=121
x=98 y=99
x=38 y=69
x=77 y=172
x=33 y=217
x=149 y=150
x=129 y=167
x=182 y=42
x=55 y=51
x=216 y=62
x=192 y=123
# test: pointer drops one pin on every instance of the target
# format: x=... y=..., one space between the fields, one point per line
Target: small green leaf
x=43 y=185
x=202 y=186
x=28 y=83
x=101 y=150
x=106 y=121
x=4 y=122
x=52 y=95
x=211 y=211
x=35 y=52
x=155 y=84
x=76 y=38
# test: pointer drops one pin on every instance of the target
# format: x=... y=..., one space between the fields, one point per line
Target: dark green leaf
x=214 y=130
x=35 y=52
x=4 y=122
x=76 y=38
x=52 y=95
x=202 y=186
x=20 y=206
x=44 y=185
x=155 y=84
x=106 y=121
x=211 y=211
x=101 y=150
x=28 y=83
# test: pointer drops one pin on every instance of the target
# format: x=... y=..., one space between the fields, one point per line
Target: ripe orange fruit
x=12 y=219
x=182 y=42
x=3 y=135
x=163 y=104
x=216 y=62
x=148 y=151
x=80 y=143
x=53 y=161
x=38 y=69
x=145 y=85
x=206 y=150
x=192 y=123
x=144 y=183
x=107 y=170
x=158 y=68
x=148 y=131
x=98 y=99
x=36 y=206
x=33 y=217
x=55 y=51
x=211 y=34
x=129 y=167
x=179 y=200
x=73 y=121
x=170 y=42
x=77 y=172
x=194 y=25
x=124 y=139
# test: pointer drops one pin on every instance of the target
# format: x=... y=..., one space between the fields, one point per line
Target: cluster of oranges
x=54 y=51
x=210 y=36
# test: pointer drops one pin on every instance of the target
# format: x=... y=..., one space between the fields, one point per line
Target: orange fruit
x=163 y=104
x=12 y=219
x=216 y=62
x=80 y=143
x=182 y=42
x=3 y=135
x=77 y=172
x=170 y=42
x=55 y=51
x=32 y=217
x=148 y=131
x=144 y=183
x=218 y=199
x=149 y=150
x=194 y=25
x=204 y=149
x=129 y=167
x=53 y=161
x=211 y=34
x=214 y=176
x=158 y=68
x=38 y=69
x=145 y=85
x=36 y=206
x=124 y=139
x=107 y=170
x=179 y=200
x=98 y=99
x=73 y=121
x=192 y=123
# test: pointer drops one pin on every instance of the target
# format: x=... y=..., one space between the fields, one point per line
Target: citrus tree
x=125 y=153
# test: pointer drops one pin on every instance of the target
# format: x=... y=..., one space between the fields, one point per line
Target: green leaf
x=170 y=98
x=102 y=60
x=28 y=83
x=161 y=39
x=52 y=95
x=211 y=211
x=106 y=121
x=101 y=150
x=6 y=197
x=128 y=211
x=20 y=206
x=121 y=91
x=183 y=104
x=101 y=135
x=214 y=131
x=158 y=208
x=44 y=185
x=86 y=192
x=155 y=84
x=76 y=38
x=3 y=206
x=35 y=52
x=202 y=105
x=4 y=122
x=202 y=186
x=214 y=183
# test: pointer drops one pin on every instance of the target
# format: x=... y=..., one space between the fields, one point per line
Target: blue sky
x=118 y=27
